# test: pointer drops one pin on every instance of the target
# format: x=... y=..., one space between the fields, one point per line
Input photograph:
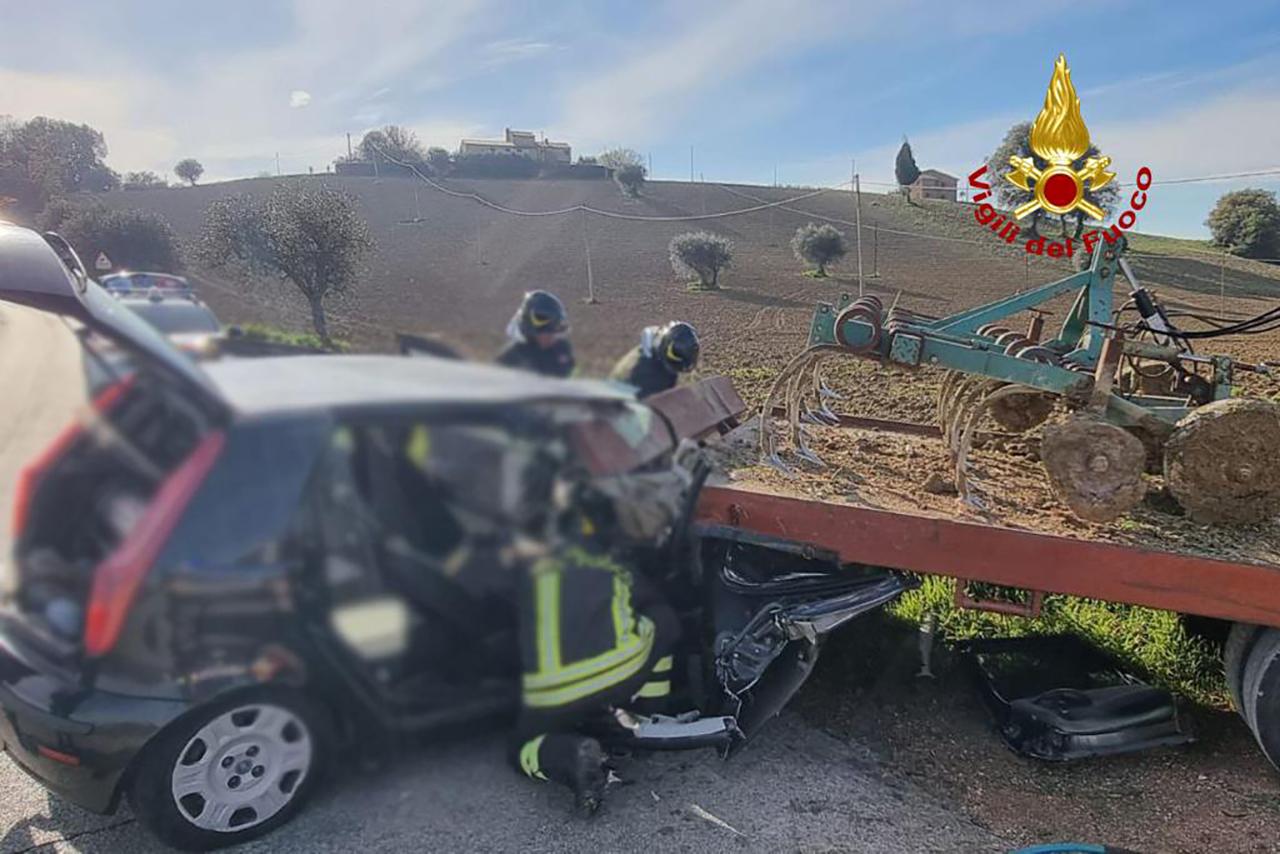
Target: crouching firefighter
x=536 y=337
x=593 y=637
x=664 y=353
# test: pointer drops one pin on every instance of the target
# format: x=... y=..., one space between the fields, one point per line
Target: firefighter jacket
x=580 y=640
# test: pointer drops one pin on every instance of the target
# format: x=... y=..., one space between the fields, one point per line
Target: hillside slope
x=453 y=267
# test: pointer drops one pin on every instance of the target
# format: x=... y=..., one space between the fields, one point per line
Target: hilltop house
x=933 y=184
x=521 y=144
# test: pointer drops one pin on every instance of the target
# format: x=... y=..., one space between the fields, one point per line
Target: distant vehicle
x=181 y=317
x=129 y=282
x=224 y=574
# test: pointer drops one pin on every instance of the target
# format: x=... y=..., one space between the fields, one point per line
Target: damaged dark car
x=222 y=575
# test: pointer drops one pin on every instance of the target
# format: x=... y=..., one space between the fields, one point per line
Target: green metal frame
x=952 y=342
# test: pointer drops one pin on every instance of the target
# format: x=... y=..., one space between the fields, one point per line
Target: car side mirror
x=374 y=628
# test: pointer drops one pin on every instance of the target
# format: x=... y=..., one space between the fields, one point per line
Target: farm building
x=520 y=143
x=933 y=184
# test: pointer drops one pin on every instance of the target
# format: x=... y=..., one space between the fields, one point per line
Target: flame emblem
x=1060 y=137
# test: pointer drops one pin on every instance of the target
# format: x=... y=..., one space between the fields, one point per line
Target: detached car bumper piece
x=1059 y=698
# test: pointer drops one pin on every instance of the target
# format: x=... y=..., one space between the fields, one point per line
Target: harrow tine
x=830 y=418
x=963 y=484
x=776 y=461
x=799 y=435
x=782 y=381
x=964 y=391
x=819 y=386
x=805 y=453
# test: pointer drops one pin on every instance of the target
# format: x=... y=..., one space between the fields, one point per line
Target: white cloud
x=515 y=50
x=640 y=99
x=224 y=105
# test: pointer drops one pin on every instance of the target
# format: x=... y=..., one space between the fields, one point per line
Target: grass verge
x=1155 y=643
x=276 y=335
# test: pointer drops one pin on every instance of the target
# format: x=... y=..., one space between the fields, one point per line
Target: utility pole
x=277 y=164
x=650 y=164
x=348 y=145
x=775 y=174
x=591 y=281
x=1222 y=283
x=857 y=191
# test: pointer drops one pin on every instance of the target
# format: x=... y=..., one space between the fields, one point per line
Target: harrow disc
x=1222 y=463
x=1018 y=413
x=1094 y=467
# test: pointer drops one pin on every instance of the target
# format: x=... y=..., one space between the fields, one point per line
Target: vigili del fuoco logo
x=1059 y=138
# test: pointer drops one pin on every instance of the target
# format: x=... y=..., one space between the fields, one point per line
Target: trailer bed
x=870 y=506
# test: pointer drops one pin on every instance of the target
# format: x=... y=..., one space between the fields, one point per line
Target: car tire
x=1235 y=656
x=232 y=770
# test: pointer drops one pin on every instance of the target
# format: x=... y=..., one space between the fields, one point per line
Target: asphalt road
x=794 y=788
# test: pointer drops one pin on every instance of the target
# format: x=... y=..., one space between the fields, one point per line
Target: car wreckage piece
x=1061 y=698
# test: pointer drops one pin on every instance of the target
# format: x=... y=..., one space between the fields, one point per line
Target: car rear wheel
x=230 y=772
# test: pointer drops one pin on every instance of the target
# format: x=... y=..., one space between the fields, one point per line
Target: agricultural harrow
x=1137 y=397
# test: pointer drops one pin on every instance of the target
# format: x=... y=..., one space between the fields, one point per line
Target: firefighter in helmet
x=593 y=637
x=664 y=353
x=536 y=337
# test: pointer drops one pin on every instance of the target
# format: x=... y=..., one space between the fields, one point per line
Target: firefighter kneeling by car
x=594 y=637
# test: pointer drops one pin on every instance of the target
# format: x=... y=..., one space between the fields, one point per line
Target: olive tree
x=138 y=239
x=701 y=254
x=1018 y=141
x=628 y=169
x=309 y=235
x=819 y=245
x=143 y=181
x=392 y=143
x=1247 y=223
x=189 y=169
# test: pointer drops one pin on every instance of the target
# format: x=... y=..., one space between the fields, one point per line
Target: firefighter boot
x=572 y=760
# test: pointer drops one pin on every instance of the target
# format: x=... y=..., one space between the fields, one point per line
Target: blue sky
x=1188 y=89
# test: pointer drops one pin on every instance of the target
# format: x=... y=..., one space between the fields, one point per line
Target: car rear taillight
x=117 y=578
x=29 y=476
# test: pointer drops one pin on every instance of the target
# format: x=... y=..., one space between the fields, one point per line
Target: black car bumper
x=77 y=742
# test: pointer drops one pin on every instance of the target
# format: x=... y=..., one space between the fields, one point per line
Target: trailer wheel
x=1235 y=657
x=1261 y=697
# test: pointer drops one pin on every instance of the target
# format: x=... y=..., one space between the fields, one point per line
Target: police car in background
x=127 y=282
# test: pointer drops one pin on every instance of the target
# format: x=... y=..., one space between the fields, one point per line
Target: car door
x=404 y=585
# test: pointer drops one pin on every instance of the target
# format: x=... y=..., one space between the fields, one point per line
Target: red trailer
x=1245 y=594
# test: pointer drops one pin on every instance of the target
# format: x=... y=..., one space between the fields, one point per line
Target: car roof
x=281 y=384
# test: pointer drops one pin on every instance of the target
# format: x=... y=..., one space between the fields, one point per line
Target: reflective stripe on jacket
x=585 y=638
